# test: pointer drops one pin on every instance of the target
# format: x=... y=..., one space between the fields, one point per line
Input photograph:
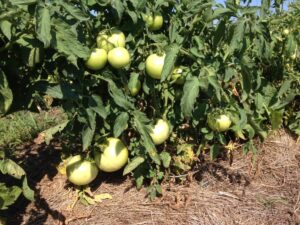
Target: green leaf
x=213 y=81
x=43 y=24
x=119 y=97
x=74 y=11
x=89 y=129
x=8 y=195
x=61 y=91
x=7 y=166
x=23 y=2
x=5 y=27
x=214 y=151
x=27 y=191
x=238 y=35
x=165 y=158
x=96 y=104
x=121 y=123
x=49 y=133
x=67 y=43
x=190 y=93
x=133 y=164
x=6 y=95
x=276 y=118
x=170 y=59
x=141 y=123
x=138 y=4
x=220 y=12
x=118 y=5
x=34 y=56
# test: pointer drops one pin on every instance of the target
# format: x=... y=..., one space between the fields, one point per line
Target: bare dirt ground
x=244 y=193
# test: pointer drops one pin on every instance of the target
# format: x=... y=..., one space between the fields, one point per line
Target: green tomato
x=134 y=89
x=286 y=32
x=113 y=157
x=220 y=123
x=80 y=171
x=106 y=41
x=177 y=75
x=154 y=65
x=118 y=57
x=97 y=59
x=294 y=56
x=154 y=23
x=161 y=132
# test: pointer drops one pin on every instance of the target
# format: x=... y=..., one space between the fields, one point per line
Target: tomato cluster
x=110 y=47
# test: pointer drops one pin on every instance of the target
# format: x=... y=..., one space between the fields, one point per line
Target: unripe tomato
x=116 y=38
x=80 y=171
x=97 y=60
x=220 y=123
x=113 y=157
x=134 y=89
x=177 y=75
x=294 y=56
x=118 y=57
x=154 y=65
x=154 y=23
x=161 y=132
x=286 y=32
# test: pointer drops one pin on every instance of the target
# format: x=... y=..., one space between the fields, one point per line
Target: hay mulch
x=243 y=193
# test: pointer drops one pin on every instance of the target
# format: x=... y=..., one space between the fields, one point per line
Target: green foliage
x=239 y=62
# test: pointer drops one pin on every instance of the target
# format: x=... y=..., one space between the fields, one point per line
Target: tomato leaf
x=166 y=159
x=89 y=129
x=27 y=191
x=5 y=27
x=276 y=118
x=6 y=95
x=119 y=97
x=214 y=151
x=49 y=133
x=74 y=11
x=190 y=93
x=141 y=123
x=67 y=43
x=170 y=59
x=133 y=164
x=121 y=123
x=23 y=2
x=7 y=166
x=8 y=195
x=96 y=104
x=43 y=26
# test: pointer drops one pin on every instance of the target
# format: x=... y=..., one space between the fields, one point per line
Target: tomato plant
x=233 y=56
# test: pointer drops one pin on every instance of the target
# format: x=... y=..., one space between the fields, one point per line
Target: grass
x=24 y=125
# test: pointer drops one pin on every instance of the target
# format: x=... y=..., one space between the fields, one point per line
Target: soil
x=247 y=192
